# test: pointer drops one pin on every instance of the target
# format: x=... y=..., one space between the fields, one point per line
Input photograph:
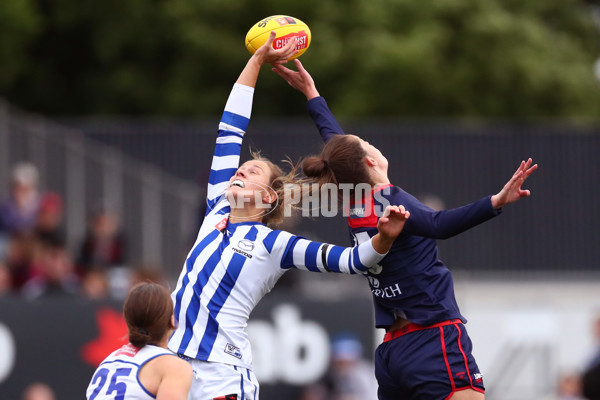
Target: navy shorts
x=429 y=363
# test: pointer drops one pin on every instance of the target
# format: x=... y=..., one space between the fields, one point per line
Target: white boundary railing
x=86 y=174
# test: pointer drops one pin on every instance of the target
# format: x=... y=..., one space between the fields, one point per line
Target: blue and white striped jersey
x=232 y=266
x=117 y=377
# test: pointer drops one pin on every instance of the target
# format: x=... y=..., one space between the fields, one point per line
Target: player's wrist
x=496 y=203
x=382 y=243
x=257 y=59
x=311 y=93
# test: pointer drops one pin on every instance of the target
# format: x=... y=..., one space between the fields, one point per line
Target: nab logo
x=289 y=348
x=112 y=333
x=8 y=349
x=374 y=282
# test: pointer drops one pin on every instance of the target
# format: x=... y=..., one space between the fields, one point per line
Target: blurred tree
x=18 y=28
x=474 y=58
x=457 y=58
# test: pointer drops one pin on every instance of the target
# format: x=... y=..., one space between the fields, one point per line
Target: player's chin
x=244 y=196
x=234 y=193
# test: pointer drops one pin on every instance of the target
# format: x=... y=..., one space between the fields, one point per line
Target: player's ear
x=370 y=161
x=269 y=197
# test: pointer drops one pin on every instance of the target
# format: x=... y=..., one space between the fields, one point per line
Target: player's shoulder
x=275 y=238
x=171 y=361
x=282 y=235
x=169 y=364
x=262 y=231
x=392 y=194
x=387 y=190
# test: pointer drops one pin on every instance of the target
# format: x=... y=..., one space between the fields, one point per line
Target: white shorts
x=214 y=380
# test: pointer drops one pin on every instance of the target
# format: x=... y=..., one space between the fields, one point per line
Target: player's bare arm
x=266 y=54
x=299 y=80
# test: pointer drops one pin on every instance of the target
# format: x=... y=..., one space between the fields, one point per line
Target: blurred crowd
x=35 y=258
x=350 y=375
x=585 y=383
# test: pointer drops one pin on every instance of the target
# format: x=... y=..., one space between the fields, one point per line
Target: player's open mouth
x=238 y=183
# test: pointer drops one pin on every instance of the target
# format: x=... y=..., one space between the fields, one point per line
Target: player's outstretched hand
x=299 y=80
x=392 y=221
x=266 y=54
x=512 y=191
x=390 y=225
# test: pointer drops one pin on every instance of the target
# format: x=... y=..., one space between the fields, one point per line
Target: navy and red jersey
x=412 y=283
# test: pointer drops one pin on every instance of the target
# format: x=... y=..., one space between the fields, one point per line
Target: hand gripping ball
x=285 y=27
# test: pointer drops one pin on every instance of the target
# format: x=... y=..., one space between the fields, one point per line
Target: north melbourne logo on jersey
x=233 y=351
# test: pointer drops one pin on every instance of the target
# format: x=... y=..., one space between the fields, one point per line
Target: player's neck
x=164 y=341
x=379 y=177
x=246 y=214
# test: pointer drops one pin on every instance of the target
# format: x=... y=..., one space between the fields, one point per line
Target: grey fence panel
x=89 y=174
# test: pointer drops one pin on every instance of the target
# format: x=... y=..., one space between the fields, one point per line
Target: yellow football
x=285 y=27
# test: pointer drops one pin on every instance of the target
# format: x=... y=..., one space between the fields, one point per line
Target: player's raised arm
x=448 y=223
x=299 y=80
x=292 y=251
x=266 y=54
x=317 y=107
x=236 y=117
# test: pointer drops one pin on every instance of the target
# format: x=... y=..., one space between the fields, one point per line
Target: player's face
x=374 y=153
x=251 y=181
